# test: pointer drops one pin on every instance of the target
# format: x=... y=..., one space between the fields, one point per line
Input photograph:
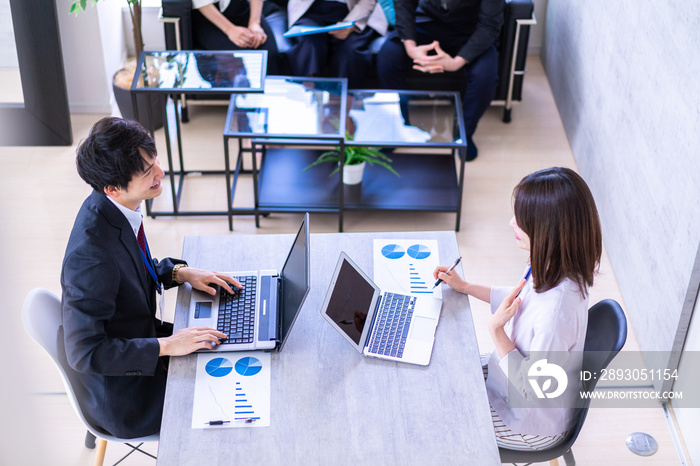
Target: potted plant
x=121 y=82
x=356 y=157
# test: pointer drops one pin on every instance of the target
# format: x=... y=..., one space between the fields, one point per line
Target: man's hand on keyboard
x=189 y=340
x=203 y=279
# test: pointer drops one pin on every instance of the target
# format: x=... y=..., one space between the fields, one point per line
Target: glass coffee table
x=423 y=133
x=175 y=73
x=291 y=111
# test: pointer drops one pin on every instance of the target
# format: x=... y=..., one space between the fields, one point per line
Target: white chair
x=42 y=318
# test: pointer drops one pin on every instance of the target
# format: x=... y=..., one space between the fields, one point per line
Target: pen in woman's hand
x=439 y=280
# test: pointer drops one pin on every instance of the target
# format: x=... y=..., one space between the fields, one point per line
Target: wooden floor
x=40 y=193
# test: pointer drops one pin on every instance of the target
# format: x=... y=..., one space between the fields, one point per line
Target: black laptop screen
x=350 y=301
x=295 y=280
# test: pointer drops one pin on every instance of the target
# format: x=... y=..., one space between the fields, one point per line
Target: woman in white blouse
x=546 y=314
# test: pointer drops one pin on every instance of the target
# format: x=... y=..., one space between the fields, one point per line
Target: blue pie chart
x=392 y=251
x=248 y=366
x=418 y=251
x=219 y=367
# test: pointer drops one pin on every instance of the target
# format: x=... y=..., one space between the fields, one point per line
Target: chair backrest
x=605 y=336
x=41 y=315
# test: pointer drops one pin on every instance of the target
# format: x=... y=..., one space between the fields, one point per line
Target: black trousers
x=206 y=36
x=323 y=54
x=394 y=65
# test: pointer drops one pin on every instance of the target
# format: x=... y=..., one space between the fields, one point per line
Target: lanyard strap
x=149 y=266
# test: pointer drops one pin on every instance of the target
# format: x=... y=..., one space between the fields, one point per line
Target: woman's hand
x=202 y=279
x=507 y=308
x=259 y=36
x=453 y=280
x=242 y=37
x=498 y=320
x=342 y=34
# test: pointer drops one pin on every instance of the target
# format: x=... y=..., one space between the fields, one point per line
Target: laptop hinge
x=280 y=306
x=374 y=319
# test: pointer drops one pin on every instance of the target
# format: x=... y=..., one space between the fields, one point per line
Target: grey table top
x=329 y=404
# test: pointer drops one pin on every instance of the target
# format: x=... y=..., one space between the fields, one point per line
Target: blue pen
x=527 y=275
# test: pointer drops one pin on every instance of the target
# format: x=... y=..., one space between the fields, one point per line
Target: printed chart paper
x=232 y=390
x=406 y=266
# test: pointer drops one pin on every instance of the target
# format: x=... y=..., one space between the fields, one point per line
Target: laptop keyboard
x=392 y=324
x=237 y=312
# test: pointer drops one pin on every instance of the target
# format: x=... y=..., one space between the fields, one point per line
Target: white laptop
x=261 y=315
x=363 y=314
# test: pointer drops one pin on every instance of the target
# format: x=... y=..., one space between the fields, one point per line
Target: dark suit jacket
x=109 y=324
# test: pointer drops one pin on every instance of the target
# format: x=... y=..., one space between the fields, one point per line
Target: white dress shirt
x=197 y=4
x=135 y=217
x=553 y=321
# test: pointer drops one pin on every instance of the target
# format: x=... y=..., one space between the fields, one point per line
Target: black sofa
x=512 y=47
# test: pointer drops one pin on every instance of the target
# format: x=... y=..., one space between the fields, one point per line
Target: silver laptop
x=377 y=323
x=261 y=315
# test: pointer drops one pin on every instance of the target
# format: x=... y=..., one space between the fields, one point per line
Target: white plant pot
x=352 y=174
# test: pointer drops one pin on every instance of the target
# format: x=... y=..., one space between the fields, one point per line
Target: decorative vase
x=352 y=174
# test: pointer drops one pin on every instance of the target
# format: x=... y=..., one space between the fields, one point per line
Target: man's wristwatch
x=175 y=270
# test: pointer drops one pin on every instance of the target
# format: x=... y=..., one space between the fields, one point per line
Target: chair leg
x=569 y=458
x=100 y=453
x=554 y=462
x=89 y=440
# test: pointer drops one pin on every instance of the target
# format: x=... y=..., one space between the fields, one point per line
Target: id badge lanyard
x=152 y=272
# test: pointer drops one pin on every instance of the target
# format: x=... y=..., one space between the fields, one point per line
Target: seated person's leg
x=308 y=57
x=273 y=57
x=482 y=80
x=351 y=58
x=392 y=63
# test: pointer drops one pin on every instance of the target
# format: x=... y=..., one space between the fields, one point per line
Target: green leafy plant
x=134 y=9
x=354 y=155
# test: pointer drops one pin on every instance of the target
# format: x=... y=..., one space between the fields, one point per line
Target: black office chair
x=605 y=336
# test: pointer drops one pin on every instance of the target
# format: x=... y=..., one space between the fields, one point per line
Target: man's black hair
x=110 y=155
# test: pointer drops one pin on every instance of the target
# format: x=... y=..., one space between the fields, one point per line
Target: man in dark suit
x=437 y=36
x=115 y=349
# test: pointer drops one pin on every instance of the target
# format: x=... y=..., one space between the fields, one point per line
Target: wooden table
x=330 y=405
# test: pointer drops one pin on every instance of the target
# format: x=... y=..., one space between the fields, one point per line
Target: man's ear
x=112 y=191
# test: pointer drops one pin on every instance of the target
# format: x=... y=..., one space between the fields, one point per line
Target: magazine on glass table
x=299 y=30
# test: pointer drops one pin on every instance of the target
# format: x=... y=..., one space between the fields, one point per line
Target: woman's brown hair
x=555 y=208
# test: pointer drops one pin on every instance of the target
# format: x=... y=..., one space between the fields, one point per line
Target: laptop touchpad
x=423 y=329
x=202 y=310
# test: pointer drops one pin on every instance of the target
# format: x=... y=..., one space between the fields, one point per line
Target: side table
x=174 y=73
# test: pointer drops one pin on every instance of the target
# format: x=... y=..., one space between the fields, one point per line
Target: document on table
x=380 y=120
x=295 y=31
x=232 y=390
x=406 y=266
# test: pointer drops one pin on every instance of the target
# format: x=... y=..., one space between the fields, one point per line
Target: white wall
x=534 y=46
x=152 y=30
x=8 y=50
x=624 y=75
x=93 y=49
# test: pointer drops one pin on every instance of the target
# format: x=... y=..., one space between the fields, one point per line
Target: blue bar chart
x=232 y=390
x=406 y=266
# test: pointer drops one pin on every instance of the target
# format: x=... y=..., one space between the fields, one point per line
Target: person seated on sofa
x=233 y=25
x=344 y=51
x=437 y=36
